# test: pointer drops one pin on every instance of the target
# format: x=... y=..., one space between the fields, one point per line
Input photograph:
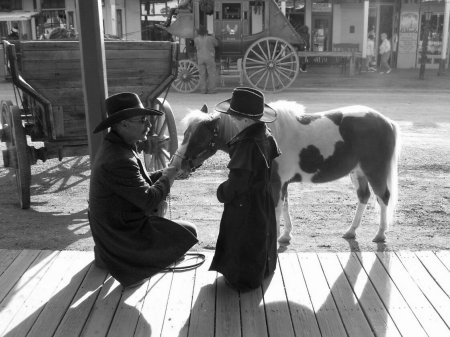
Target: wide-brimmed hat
x=249 y=103
x=122 y=106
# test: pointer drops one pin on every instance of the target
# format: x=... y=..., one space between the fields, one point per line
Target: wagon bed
x=50 y=106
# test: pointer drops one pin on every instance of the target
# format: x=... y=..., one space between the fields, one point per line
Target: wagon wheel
x=188 y=78
x=162 y=141
x=271 y=64
x=17 y=158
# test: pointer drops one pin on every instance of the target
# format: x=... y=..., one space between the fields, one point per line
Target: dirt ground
x=57 y=218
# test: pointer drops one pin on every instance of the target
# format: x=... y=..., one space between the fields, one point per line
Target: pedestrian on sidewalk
x=385 y=54
x=370 y=54
x=206 y=45
x=303 y=31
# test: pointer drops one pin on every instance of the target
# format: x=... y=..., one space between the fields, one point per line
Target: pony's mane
x=196 y=117
x=289 y=109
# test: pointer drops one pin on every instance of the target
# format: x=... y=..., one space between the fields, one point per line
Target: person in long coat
x=131 y=242
x=246 y=249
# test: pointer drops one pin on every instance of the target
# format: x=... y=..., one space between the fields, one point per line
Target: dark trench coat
x=246 y=250
x=131 y=242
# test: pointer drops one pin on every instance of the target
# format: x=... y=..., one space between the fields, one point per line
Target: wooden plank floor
x=61 y=293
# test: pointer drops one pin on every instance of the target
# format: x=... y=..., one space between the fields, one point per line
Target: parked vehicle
x=256 y=42
x=49 y=107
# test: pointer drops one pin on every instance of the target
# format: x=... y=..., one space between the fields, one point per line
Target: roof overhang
x=16 y=15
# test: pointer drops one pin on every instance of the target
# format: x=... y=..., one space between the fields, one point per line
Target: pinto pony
x=320 y=147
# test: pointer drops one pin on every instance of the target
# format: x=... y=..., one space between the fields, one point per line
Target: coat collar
x=254 y=131
x=115 y=138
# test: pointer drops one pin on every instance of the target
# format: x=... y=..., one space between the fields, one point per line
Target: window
x=231 y=11
x=48 y=20
x=119 y=23
x=256 y=17
x=10 y=5
x=47 y=4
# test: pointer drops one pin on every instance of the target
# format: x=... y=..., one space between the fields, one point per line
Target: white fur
x=323 y=133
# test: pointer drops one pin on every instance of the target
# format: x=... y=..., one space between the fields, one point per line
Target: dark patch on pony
x=334 y=167
x=307 y=119
x=310 y=159
x=335 y=117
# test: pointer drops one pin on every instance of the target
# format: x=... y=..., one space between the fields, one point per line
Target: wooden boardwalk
x=61 y=293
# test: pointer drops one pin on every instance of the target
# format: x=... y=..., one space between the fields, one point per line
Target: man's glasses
x=143 y=120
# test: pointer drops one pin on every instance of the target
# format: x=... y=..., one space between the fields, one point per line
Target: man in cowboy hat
x=130 y=241
x=246 y=250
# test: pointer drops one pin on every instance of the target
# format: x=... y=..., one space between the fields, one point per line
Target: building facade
x=330 y=22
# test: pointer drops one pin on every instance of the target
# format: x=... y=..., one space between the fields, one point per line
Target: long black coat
x=246 y=250
x=131 y=242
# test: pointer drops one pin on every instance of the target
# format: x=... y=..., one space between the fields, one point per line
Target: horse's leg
x=286 y=236
x=278 y=212
x=361 y=184
x=381 y=236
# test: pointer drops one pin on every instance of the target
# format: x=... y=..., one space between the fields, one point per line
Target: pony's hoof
x=379 y=238
x=284 y=239
x=349 y=235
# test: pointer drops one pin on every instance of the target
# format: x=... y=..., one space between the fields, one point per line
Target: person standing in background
x=370 y=54
x=205 y=45
x=385 y=54
x=303 y=31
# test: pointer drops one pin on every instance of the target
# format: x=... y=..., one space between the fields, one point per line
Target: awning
x=16 y=15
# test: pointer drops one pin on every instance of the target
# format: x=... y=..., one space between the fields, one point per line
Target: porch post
x=308 y=19
x=445 y=28
x=93 y=68
x=365 y=31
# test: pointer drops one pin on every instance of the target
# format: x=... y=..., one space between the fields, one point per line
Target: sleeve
x=125 y=179
x=241 y=157
x=155 y=175
x=236 y=184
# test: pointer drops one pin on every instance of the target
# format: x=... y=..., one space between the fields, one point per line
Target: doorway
x=381 y=20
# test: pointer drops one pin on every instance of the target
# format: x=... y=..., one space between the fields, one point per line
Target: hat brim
x=269 y=114
x=125 y=114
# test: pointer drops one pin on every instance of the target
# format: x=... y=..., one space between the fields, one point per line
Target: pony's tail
x=392 y=177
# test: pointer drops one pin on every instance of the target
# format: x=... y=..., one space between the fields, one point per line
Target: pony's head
x=201 y=140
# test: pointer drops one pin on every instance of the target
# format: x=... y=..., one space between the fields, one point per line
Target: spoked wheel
x=16 y=155
x=271 y=64
x=188 y=78
x=162 y=141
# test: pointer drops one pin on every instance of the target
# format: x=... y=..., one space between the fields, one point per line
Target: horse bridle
x=211 y=147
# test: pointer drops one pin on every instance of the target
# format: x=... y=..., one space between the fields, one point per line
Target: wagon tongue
x=183 y=26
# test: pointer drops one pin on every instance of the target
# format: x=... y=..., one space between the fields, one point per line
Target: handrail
x=168 y=81
x=23 y=85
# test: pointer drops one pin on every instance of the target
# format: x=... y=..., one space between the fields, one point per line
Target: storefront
x=342 y=22
x=17 y=25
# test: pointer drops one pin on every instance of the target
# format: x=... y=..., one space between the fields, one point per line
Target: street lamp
x=426 y=32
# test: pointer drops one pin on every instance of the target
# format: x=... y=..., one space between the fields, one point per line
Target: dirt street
x=57 y=218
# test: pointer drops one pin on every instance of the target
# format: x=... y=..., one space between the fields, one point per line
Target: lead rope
x=187 y=256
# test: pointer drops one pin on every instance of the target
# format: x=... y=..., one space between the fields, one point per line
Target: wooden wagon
x=48 y=118
x=256 y=43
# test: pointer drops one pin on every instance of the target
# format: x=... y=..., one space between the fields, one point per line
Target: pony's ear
x=204 y=109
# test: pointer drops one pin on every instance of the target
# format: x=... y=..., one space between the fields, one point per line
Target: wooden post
x=365 y=31
x=423 y=55
x=444 y=58
x=93 y=68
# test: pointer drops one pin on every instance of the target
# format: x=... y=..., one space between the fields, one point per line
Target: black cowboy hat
x=123 y=106
x=249 y=103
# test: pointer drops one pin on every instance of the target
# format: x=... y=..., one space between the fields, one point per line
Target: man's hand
x=170 y=172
